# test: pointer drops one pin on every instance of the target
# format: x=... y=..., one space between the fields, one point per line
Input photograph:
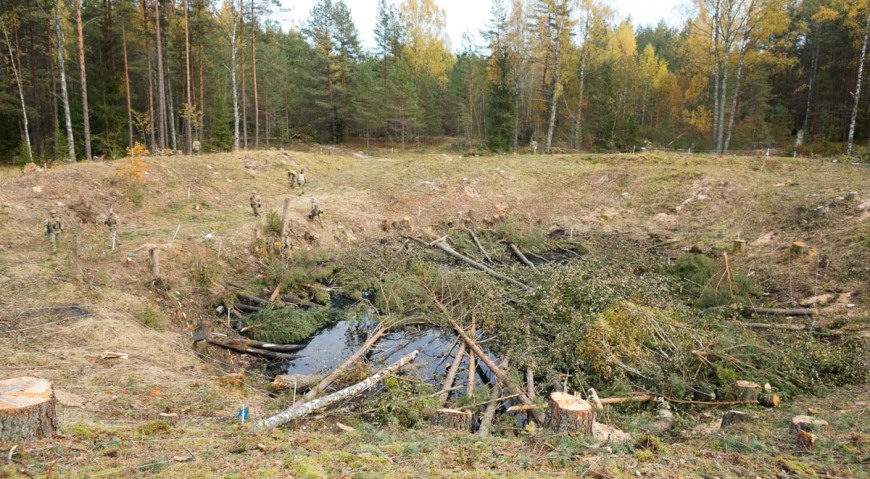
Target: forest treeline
x=89 y=78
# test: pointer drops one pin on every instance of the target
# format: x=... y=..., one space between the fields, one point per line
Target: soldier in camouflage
x=53 y=229
x=256 y=203
x=112 y=223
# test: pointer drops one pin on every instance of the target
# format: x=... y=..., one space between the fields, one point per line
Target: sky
x=469 y=16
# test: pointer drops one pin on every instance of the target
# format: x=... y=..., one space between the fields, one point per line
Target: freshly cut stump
x=567 y=412
x=809 y=424
x=452 y=419
x=744 y=391
x=27 y=409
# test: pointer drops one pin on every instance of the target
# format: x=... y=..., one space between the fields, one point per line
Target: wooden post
x=285 y=216
x=76 y=260
x=27 y=409
x=452 y=419
x=567 y=412
x=154 y=253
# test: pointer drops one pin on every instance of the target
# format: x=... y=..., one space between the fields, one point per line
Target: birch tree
x=8 y=21
x=857 y=93
x=64 y=94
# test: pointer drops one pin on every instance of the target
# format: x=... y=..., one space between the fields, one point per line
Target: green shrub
x=151 y=318
x=288 y=325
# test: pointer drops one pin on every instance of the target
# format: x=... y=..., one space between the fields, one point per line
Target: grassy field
x=666 y=203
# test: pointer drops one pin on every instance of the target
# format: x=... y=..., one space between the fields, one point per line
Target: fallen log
x=519 y=254
x=621 y=400
x=303 y=409
x=479 y=245
x=452 y=419
x=300 y=381
x=452 y=252
x=241 y=347
x=499 y=373
x=281 y=348
x=27 y=409
x=489 y=412
x=472 y=368
x=749 y=311
x=322 y=385
x=567 y=412
x=451 y=376
x=245 y=308
x=526 y=407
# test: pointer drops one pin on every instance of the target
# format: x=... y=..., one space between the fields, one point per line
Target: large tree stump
x=567 y=412
x=452 y=419
x=809 y=424
x=27 y=409
x=744 y=391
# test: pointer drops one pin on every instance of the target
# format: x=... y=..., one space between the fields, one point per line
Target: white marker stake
x=176 y=232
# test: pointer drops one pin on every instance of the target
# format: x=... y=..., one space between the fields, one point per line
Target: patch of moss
x=151 y=428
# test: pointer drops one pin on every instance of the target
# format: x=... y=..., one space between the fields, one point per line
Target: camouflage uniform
x=256 y=203
x=53 y=228
x=316 y=213
x=112 y=223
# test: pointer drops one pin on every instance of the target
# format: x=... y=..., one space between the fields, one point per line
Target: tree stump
x=733 y=417
x=739 y=246
x=744 y=391
x=800 y=248
x=809 y=424
x=27 y=409
x=452 y=419
x=769 y=400
x=567 y=412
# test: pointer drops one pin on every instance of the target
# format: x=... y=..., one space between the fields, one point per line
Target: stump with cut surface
x=452 y=419
x=747 y=391
x=567 y=412
x=809 y=424
x=27 y=409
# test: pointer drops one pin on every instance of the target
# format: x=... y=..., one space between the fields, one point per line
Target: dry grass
x=702 y=201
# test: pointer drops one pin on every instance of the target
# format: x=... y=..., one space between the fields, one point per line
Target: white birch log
x=303 y=409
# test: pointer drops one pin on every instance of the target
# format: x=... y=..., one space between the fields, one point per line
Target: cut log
x=499 y=373
x=27 y=409
x=452 y=419
x=281 y=348
x=592 y=396
x=747 y=391
x=769 y=400
x=303 y=409
x=451 y=376
x=489 y=413
x=241 y=347
x=733 y=417
x=301 y=381
x=322 y=385
x=809 y=424
x=621 y=400
x=452 y=252
x=567 y=412
x=781 y=311
x=519 y=254
x=245 y=308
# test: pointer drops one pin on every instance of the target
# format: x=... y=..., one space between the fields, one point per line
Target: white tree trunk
x=851 y=142
x=303 y=409
x=554 y=104
x=233 y=67
x=20 y=94
x=736 y=95
x=64 y=95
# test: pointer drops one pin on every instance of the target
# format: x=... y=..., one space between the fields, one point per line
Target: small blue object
x=243 y=413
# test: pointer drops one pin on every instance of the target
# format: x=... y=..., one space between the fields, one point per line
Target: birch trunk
x=554 y=104
x=64 y=94
x=851 y=141
x=578 y=122
x=161 y=81
x=188 y=113
x=735 y=96
x=83 y=71
x=254 y=76
x=235 y=88
x=303 y=409
x=20 y=94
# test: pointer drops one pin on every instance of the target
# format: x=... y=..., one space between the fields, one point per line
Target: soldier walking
x=316 y=214
x=112 y=223
x=53 y=229
x=256 y=203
